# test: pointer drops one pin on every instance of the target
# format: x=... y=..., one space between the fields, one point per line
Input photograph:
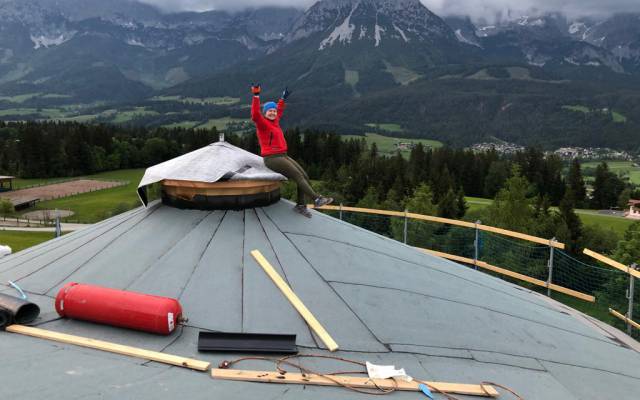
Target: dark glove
x=256 y=89
x=285 y=93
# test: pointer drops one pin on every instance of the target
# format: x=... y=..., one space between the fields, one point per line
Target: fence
x=536 y=263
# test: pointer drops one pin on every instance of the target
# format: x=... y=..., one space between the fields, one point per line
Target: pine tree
x=512 y=208
x=573 y=233
x=607 y=188
x=575 y=183
x=419 y=233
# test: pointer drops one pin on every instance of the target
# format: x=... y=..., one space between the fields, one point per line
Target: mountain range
x=356 y=61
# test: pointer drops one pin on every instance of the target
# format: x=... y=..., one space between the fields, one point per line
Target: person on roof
x=273 y=147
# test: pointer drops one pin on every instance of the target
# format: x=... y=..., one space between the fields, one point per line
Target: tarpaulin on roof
x=219 y=161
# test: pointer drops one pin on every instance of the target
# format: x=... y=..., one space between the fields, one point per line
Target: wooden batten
x=483 y=390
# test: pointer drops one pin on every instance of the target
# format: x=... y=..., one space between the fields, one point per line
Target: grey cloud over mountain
x=487 y=9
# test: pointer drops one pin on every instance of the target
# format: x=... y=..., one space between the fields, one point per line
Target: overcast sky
x=475 y=8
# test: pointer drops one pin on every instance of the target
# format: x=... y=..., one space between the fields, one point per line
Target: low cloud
x=477 y=9
x=508 y=9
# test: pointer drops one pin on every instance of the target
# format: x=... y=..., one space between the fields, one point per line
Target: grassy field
x=477 y=203
x=351 y=77
x=126 y=116
x=218 y=101
x=48 y=113
x=387 y=145
x=588 y=217
x=20 y=98
x=616 y=116
x=182 y=124
x=222 y=124
x=96 y=206
x=618 y=224
x=402 y=75
x=625 y=168
x=22 y=240
x=28 y=96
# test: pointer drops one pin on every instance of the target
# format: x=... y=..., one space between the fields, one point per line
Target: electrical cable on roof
x=14 y=285
x=505 y=388
x=330 y=376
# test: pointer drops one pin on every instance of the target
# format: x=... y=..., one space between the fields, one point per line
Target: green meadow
x=95 y=206
x=387 y=145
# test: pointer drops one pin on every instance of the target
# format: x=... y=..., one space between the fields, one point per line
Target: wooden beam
x=361 y=210
x=353 y=381
x=111 y=347
x=521 y=236
x=515 y=275
x=447 y=221
x=612 y=263
x=449 y=256
x=295 y=301
x=624 y=318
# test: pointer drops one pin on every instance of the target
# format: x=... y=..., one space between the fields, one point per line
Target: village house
x=634 y=209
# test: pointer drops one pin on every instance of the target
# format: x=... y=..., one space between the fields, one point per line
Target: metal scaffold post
x=550 y=265
x=406 y=222
x=630 y=295
x=476 y=246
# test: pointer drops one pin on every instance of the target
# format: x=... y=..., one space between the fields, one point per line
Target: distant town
x=565 y=153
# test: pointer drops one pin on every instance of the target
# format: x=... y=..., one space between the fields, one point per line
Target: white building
x=634 y=209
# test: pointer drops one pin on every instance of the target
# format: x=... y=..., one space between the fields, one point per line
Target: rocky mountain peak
x=342 y=22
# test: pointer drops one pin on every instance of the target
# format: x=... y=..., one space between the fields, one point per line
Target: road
x=65 y=228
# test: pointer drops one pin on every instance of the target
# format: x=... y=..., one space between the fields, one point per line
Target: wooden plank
x=449 y=256
x=612 y=263
x=624 y=318
x=361 y=210
x=353 y=381
x=295 y=301
x=448 y=221
x=502 y=271
x=111 y=347
x=521 y=236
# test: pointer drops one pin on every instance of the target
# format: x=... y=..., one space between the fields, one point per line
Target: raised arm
x=281 y=107
x=256 y=115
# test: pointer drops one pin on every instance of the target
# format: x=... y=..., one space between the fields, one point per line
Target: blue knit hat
x=269 y=106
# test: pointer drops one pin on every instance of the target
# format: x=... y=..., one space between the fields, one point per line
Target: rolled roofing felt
x=20 y=311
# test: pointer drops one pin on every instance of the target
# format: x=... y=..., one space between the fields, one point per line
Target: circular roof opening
x=227 y=195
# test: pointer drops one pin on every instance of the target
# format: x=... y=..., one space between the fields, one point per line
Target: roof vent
x=216 y=177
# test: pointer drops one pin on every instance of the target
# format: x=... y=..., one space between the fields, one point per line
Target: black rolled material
x=5 y=318
x=227 y=342
x=235 y=202
x=21 y=311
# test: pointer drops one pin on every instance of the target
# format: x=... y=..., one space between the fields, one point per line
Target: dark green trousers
x=287 y=166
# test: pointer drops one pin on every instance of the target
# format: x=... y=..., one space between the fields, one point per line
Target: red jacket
x=269 y=132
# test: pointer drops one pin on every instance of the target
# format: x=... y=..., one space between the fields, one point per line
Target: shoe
x=322 y=201
x=303 y=210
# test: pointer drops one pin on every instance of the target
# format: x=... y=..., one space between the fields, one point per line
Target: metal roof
x=381 y=300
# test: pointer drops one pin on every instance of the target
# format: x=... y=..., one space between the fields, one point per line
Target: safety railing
x=537 y=263
x=632 y=271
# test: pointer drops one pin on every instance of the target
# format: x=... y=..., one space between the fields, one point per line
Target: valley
x=528 y=80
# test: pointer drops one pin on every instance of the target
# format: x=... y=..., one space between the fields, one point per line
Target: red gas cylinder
x=120 y=308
